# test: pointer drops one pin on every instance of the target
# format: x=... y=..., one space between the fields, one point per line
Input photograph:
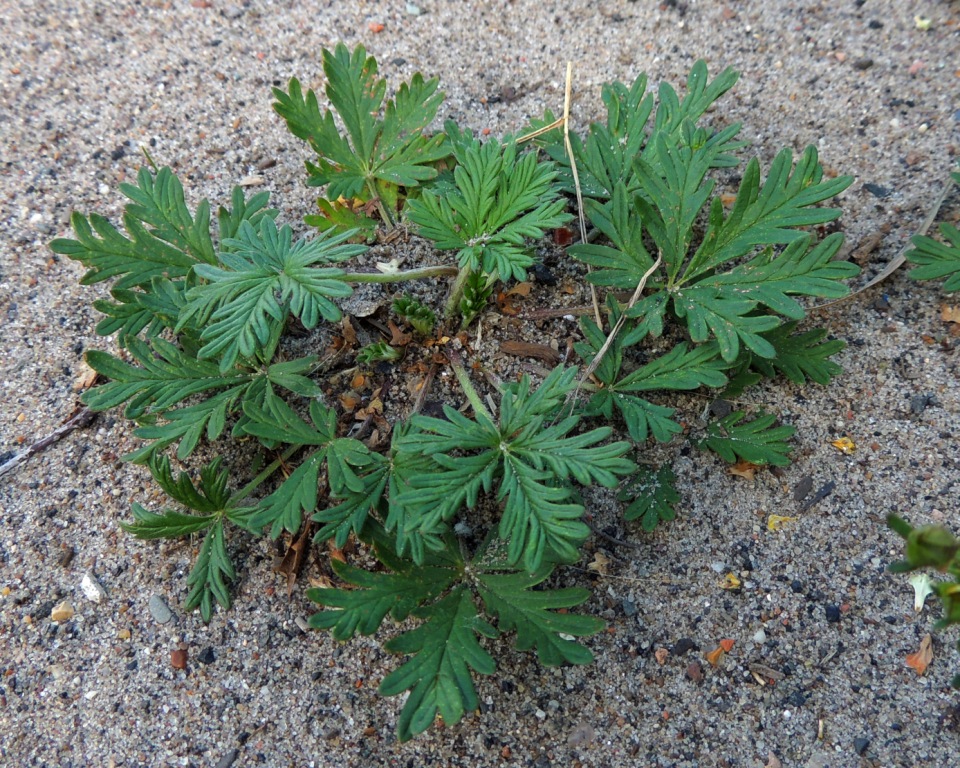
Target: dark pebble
x=862 y=64
x=833 y=613
x=860 y=745
x=796 y=699
x=228 y=759
x=802 y=488
x=132 y=665
x=206 y=656
x=683 y=645
x=118 y=153
x=629 y=608
x=876 y=190
x=919 y=403
x=178 y=658
x=543 y=274
x=896 y=727
x=874 y=24
x=721 y=408
x=891 y=619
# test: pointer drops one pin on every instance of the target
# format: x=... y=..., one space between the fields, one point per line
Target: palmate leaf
x=264 y=278
x=679 y=369
x=756 y=441
x=377 y=154
x=531 y=613
x=210 y=497
x=723 y=306
x=499 y=201
x=936 y=260
x=445 y=649
x=800 y=356
x=209 y=576
x=526 y=458
x=376 y=594
x=605 y=159
x=652 y=495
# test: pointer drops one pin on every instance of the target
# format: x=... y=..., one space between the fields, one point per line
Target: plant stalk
x=460 y=371
x=384 y=213
x=452 y=306
x=402 y=276
x=264 y=474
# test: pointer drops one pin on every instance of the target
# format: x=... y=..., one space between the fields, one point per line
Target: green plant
x=936 y=260
x=933 y=546
x=203 y=321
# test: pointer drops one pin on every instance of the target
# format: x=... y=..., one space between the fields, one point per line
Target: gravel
x=83 y=86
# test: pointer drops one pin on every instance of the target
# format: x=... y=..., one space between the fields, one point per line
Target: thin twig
x=82 y=418
x=614 y=539
x=425 y=388
x=901 y=257
x=576 y=182
x=598 y=358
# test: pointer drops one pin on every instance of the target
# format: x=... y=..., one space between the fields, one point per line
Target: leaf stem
x=401 y=276
x=460 y=371
x=384 y=213
x=456 y=293
x=264 y=474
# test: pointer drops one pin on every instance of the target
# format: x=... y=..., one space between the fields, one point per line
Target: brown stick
x=82 y=418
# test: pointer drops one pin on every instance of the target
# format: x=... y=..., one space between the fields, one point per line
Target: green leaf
x=297 y=495
x=800 y=356
x=386 y=145
x=210 y=574
x=264 y=279
x=166 y=376
x=499 y=201
x=242 y=210
x=188 y=425
x=936 y=260
x=527 y=457
x=652 y=495
x=438 y=676
x=167 y=525
x=163 y=239
x=350 y=515
x=159 y=203
x=769 y=214
x=532 y=615
x=376 y=594
x=757 y=441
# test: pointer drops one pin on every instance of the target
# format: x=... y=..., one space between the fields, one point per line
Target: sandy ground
x=84 y=85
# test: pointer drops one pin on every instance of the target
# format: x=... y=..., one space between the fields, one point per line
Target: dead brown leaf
x=920 y=660
x=599 y=564
x=520 y=289
x=86 y=378
x=714 y=656
x=296 y=556
x=526 y=349
x=950 y=313
x=743 y=469
x=348 y=331
x=397 y=337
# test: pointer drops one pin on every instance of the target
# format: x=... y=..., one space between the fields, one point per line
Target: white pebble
x=92 y=589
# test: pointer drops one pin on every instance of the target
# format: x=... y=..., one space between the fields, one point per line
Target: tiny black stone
x=207 y=656
x=796 y=586
x=860 y=745
x=833 y=613
x=796 y=699
x=876 y=190
x=874 y=24
x=896 y=727
x=118 y=153
x=683 y=645
x=132 y=665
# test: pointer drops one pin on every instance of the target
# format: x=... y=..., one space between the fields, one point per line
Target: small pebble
x=207 y=656
x=760 y=637
x=159 y=610
x=833 y=613
x=62 y=612
x=876 y=190
x=582 y=735
x=92 y=589
x=233 y=12
x=695 y=671
x=862 y=64
x=228 y=759
x=178 y=658
x=860 y=745
x=629 y=608
x=683 y=645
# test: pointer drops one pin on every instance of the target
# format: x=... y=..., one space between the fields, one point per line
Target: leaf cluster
x=200 y=312
x=936 y=260
x=933 y=546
